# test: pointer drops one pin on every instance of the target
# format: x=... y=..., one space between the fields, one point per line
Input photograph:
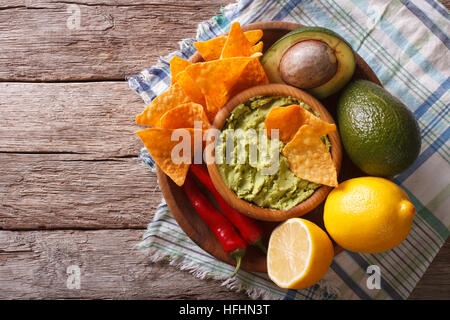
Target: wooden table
x=71 y=190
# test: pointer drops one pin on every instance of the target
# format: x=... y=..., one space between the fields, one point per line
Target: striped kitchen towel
x=406 y=43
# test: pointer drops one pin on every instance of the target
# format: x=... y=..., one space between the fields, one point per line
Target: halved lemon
x=299 y=254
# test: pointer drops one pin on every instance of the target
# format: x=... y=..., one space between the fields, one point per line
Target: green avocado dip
x=244 y=174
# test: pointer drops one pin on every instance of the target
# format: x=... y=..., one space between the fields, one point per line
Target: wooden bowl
x=190 y=221
x=248 y=208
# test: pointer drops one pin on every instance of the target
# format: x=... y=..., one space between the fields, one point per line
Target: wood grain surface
x=71 y=190
x=33 y=265
x=114 y=38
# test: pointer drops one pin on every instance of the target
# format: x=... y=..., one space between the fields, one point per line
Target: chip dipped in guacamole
x=246 y=158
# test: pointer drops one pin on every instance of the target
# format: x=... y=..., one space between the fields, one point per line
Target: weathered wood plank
x=41 y=40
x=33 y=265
x=115 y=38
x=435 y=284
x=68 y=157
x=92 y=120
x=56 y=191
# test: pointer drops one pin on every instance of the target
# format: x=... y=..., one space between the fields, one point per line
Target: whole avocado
x=379 y=133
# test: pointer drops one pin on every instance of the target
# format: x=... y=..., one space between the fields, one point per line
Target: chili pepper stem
x=260 y=245
x=237 y=255
x=238 y=265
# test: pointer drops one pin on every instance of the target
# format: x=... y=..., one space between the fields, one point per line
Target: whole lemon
x=368 y=214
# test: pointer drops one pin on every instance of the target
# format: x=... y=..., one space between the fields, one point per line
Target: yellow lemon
x=299 y=254
x=368 y=214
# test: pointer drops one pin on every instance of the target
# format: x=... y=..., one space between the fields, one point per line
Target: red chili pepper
x=224 y=231
x=249 y=229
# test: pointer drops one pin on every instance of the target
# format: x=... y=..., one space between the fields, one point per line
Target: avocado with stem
x=313 y=58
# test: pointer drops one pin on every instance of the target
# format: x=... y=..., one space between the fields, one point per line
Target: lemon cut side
x=299 y=254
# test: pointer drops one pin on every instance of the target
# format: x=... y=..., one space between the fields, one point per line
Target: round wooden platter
x=190 y=221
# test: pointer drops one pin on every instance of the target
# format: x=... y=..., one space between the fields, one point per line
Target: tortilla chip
x=289 y=119
x=309 y=158
x=191 y=88
x=167 y=100
x=237 y=44
x=184 y=116
x=258 y=47
x=159 y=144
x=320 y=127
x=177 y=65
x=286 y=119
x=253 y=75
x=216 y=80
x=253 y=36
x=211 y=49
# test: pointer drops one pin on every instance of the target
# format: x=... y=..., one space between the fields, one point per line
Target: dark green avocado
x=378 y=132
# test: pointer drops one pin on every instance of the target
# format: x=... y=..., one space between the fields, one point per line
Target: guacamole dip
x=245 y=175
